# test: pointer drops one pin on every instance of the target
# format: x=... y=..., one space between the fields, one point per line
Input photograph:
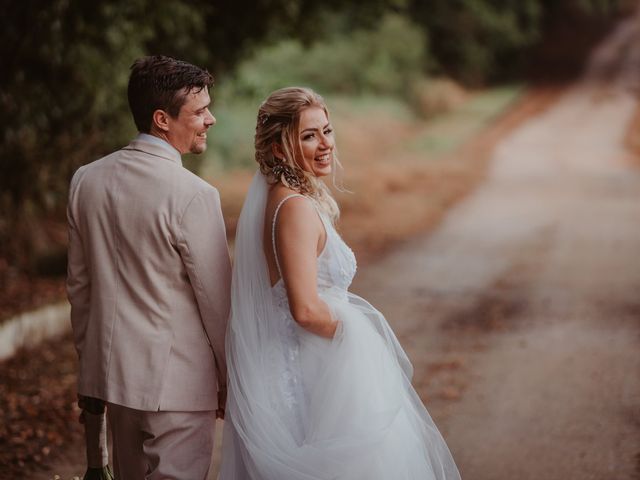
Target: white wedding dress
x=304 y=407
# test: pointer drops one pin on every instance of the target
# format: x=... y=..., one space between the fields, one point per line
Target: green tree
x=64 y=62
x=483 y=41
x=476 y=41
x=64 y=75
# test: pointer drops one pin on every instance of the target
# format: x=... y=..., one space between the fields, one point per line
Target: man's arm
x=202 y=243
x=78 y=278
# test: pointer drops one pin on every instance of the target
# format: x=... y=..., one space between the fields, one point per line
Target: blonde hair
x=278 y=123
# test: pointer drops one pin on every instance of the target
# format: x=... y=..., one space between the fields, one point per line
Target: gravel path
x=521 y=313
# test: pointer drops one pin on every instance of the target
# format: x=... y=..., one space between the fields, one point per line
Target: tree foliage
x=66 y=64
x=380 y=60
x=64 y=75
x=479 y=41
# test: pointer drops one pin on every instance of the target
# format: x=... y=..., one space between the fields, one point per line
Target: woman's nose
x=326 y=141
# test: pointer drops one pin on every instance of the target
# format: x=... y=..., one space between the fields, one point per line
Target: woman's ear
x=276 y=149
x=160 y=120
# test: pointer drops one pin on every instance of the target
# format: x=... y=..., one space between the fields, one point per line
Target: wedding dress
x=304 y=407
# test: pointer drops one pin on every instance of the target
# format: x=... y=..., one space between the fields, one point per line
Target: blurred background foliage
x=66 y=65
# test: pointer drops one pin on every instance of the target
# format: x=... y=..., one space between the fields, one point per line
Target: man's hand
x=91 y=405
x=222 y=402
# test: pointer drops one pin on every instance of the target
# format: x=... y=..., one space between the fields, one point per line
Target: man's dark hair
x=159 y=82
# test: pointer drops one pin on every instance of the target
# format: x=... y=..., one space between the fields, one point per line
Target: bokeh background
x=419 y=90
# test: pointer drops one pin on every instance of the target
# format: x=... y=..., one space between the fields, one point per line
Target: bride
x=319 y=386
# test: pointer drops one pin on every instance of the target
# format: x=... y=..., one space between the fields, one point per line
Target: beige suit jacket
x=148 y=281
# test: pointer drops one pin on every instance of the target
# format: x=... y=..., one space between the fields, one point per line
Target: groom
x=149 y=280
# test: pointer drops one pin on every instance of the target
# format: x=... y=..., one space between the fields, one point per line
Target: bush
x=231 y=143
x=430 y=97
x=384 y=60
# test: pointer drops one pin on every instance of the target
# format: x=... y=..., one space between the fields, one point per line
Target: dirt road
x=521 y=313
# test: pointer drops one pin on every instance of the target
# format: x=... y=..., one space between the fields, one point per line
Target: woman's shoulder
x=279 y=192
x=290 y=207
x=286 y=198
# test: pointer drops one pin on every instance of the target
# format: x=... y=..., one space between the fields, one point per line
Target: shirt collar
x=146 y=137
x=153 y=145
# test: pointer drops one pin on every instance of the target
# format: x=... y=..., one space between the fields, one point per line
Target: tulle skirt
x=359 y=417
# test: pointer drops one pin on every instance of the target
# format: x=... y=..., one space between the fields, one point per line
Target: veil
x=263 y=435
x=254 y=411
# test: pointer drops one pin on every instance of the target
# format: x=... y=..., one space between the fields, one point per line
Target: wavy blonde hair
x=279 y=123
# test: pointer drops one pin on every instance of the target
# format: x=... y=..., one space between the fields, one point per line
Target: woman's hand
x=222 y=402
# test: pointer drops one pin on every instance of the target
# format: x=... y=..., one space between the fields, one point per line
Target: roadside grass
x=231 y=139
x=448 y=131
x=371 y=105
x=404 y=171
x=231 y=145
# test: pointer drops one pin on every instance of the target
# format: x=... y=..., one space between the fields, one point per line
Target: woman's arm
x=299 y=233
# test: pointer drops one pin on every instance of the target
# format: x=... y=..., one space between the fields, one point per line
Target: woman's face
x=317 y=142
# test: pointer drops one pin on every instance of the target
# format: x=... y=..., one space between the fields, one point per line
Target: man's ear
x=160 y=119
x=276 y=149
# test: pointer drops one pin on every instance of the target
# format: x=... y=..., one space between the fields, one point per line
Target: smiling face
x=316 y=142
x=188 y=131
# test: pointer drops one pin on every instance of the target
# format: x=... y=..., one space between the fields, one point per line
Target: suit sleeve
x=202 y=243
x=78 y=277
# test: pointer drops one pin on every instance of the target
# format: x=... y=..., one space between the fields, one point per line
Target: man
x=149 y=280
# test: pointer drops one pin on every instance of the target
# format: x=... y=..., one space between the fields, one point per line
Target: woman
x=319 y=386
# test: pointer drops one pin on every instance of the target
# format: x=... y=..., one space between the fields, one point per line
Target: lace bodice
x=336 y=264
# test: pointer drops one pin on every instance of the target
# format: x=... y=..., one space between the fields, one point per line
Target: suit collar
x=158 y=148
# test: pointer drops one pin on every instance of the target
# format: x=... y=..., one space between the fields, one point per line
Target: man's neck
x=159 y=139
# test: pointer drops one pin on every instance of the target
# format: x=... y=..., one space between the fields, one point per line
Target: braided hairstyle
x=278 y=123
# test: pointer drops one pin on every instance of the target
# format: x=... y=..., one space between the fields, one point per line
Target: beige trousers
x=161 y=445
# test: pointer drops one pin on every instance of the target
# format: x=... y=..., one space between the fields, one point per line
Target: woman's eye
x=307 y=137
x=328 y=131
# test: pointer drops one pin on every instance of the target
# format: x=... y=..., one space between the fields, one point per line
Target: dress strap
x=273 y=228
